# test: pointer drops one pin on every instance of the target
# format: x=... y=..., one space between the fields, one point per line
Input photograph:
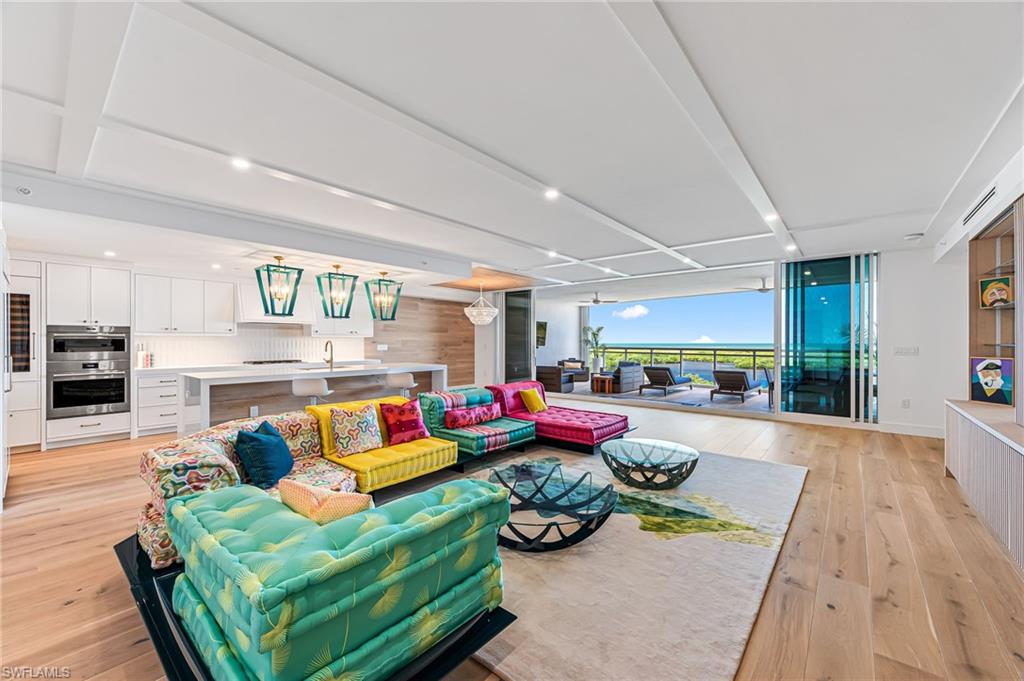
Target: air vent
x=981 y=204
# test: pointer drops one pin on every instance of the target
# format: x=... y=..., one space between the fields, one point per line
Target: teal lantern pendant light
x=279 y=287
x=336 y=292
x=383 y=295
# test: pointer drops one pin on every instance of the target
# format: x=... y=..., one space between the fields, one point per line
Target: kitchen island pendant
x=383 y=295
x=279 y=287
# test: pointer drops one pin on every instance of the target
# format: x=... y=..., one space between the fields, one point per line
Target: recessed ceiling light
x=771 y=217
x=551 y=194
x=215 y=266
x=552 y=254
x=814 y=283
x=807 y=273
x=110 y=254
x=25 y=191
x=791 y=247
x=913 y=236
x=240 y=163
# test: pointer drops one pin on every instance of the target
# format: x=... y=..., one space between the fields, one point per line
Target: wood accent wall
x=428 y=331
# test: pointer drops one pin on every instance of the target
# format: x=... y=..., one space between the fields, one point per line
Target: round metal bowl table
x=649 y=464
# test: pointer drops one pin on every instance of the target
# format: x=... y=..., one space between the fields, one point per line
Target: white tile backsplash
x=254 y=341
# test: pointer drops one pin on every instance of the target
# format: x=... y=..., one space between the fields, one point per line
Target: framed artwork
x=995 y=292
x=992 y=380
x=542 y=334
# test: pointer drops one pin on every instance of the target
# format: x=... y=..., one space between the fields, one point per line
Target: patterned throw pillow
x=404 y=422
x=355 y=431
x=572 y=365
x=470 y=416
x=320 y=504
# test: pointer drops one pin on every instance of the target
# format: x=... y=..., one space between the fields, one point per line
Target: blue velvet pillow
x=265 y=455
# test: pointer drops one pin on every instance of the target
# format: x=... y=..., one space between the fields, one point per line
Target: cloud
x=631 y=312
x=703 y=339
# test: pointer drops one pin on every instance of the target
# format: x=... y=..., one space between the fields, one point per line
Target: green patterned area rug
x=667 y=589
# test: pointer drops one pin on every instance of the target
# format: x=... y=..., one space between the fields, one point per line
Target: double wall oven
x=88 y=370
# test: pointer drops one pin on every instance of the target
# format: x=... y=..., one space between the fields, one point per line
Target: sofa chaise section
x=560 y=424
x=478 y=439
x=287 y=599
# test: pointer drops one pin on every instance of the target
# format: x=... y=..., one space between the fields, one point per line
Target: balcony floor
x=700 y=396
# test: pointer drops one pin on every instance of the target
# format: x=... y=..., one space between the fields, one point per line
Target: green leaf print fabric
x=293 y=598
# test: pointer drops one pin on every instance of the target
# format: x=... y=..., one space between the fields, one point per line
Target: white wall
x=563 y=338
x=486 y=349
x=254 y=341
x=921 y=304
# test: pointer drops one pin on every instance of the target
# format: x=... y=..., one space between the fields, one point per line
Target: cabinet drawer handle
x=170 y=413
x=173 y=380
x=90 y=425
x=171 y=395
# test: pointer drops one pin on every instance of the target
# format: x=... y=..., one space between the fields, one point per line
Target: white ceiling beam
x=699 y=244
x=237 y=39
x=646 y=25
x=668 y=273
x=33 y=101
x=97 y=36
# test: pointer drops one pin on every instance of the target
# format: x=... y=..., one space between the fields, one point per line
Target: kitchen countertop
x=278 y=372
x=173 y=369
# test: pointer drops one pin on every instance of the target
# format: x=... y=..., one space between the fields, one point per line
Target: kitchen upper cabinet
x=219 y=307
x=184 y=306
x=152 y=304
x=250 y=307
x=358 y=324
x=110 y=296
x=81 y=294
x=67 y=294
x=187 y=306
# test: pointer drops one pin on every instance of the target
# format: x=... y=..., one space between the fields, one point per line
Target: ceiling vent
x=981 y=204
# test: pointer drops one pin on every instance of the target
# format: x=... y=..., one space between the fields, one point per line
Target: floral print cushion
x=470 y=416
x=356 y=430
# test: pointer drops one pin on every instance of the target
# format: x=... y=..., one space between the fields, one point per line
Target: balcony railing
x=697 y=363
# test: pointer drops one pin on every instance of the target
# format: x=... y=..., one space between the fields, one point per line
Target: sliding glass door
x=518 y=326
x=828 y=352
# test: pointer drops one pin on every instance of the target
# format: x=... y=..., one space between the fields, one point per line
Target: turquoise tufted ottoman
x=269 y=594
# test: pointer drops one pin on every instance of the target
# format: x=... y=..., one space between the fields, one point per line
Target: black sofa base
x=152 y=589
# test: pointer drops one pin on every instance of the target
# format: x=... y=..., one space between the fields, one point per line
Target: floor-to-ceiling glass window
x=828 y=360
x=518 y=325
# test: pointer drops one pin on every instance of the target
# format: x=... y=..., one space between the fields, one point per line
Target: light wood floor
x=886 y=572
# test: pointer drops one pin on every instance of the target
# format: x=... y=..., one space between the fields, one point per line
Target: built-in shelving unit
x=992 y=257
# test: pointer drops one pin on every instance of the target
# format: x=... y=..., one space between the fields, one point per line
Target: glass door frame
x=863 y=342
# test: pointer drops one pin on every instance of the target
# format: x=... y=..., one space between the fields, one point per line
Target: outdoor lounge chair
x=733 y=382
x=664 y=379
x=577 y=367
x=555 y=379
x=627 y=377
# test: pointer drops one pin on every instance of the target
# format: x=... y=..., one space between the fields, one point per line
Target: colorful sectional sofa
x=500 y=432
x=579 y=429
x=390 y=464
x=267 y=593
x=206 y=461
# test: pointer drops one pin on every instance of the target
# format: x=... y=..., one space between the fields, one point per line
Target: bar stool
x=403 y=382
x=313 y=388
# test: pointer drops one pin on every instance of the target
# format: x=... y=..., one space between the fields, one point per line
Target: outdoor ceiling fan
x=763 y=288
x=597 y=300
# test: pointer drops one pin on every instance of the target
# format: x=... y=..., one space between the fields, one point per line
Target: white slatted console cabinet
x=985 y=453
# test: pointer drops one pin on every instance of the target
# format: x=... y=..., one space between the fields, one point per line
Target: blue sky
x=745 y=317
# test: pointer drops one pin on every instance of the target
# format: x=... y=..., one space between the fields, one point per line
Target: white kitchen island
x=207 y=398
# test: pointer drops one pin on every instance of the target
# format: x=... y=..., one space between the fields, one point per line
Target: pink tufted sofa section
x=579 y=426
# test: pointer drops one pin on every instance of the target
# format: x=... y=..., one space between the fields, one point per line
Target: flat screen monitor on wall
x=542 y=333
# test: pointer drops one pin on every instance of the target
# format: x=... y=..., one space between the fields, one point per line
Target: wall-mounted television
x=542 y=334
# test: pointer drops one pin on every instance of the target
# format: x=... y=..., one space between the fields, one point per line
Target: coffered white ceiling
x=671 y=130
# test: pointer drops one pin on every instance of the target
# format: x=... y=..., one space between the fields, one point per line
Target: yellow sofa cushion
x=533 y=401
x=322 y=412
x=391 y=465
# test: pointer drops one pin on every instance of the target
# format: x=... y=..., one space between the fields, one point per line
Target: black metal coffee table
x=549 y=510
x=649 y=464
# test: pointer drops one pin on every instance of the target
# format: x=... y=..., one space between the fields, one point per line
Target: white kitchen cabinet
x=81 y=294
x=110 y=296
x=358 y=324
x=67 y=295
x=187 y=306
x=250 y=307
x=87 y=426
x=152 y=304
x=24 y=328
x=23 y=428
x=218 y=307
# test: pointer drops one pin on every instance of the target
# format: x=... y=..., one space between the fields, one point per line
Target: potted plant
x=592 y=342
